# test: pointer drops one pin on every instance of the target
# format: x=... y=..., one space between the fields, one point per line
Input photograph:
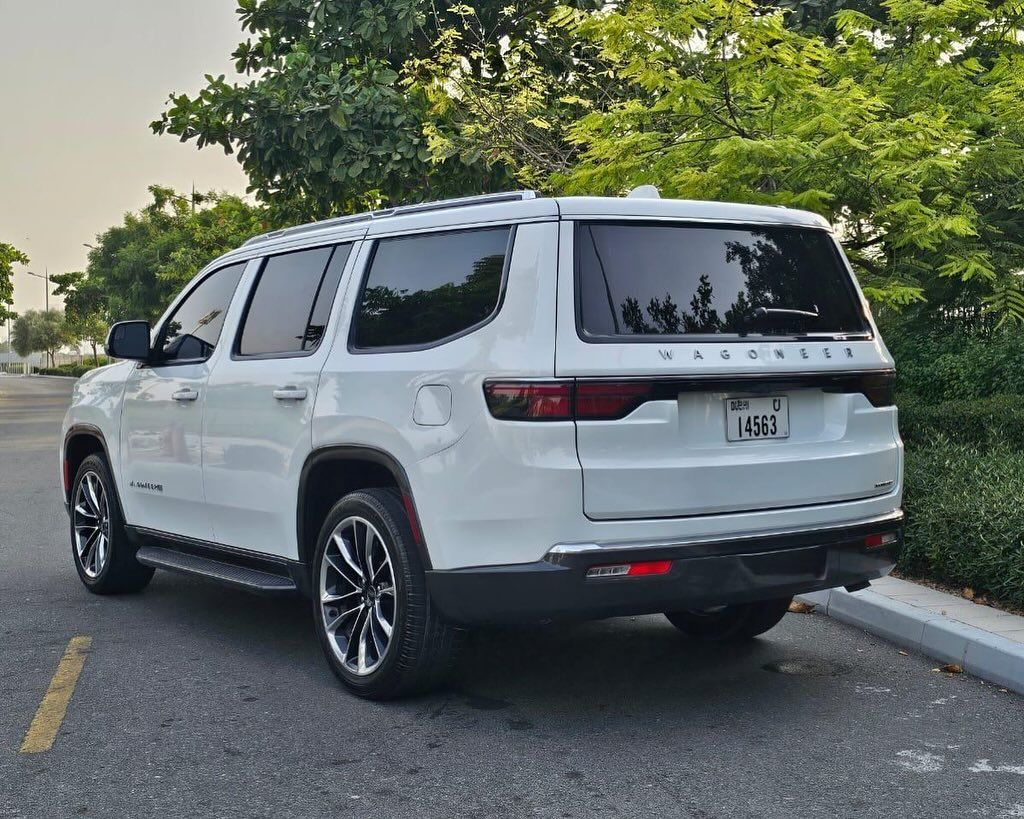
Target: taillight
x=879 y=389
x=564 y=400
x=608 y=400
x=529 y=400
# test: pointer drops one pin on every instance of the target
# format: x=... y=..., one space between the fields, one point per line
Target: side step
x=242 y=577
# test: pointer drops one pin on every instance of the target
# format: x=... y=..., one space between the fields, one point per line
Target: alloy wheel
x=91 y=517
x=358 y=602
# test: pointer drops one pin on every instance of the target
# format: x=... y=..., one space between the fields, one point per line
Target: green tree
x=9 y=256
x=906 y=132
x=137 y=267
x=39 y=331
x=332 y=120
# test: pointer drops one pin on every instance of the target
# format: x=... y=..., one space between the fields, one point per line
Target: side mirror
x=129 y=339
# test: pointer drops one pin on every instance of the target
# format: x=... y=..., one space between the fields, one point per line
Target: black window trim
x=704 y=338
x=236 y=346
x=411 y=348
x=161 y=332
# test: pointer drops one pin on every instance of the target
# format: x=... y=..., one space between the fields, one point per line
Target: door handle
x=185 y=394
x=290 y=393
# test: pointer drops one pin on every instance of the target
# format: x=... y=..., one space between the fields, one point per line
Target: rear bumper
x=704 y=573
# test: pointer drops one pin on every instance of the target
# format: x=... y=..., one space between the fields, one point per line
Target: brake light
x=529 y=400
x=608 y=400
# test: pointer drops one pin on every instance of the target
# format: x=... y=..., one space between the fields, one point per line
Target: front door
x=259 y=401
x=162 y=418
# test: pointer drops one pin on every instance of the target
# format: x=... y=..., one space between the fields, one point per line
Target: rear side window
x=291 y=301
x=690 y=280
x=424 y=289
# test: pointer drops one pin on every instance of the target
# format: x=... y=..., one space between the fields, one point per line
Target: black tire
x=421 y=648
x=743 y=621
x=119 y=571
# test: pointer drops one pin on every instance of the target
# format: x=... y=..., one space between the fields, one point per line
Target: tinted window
x=293 y=296
x=684 y=279
x=422 y=289
x=194 y=327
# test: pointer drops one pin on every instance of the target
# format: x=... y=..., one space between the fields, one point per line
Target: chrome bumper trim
x=896 y=516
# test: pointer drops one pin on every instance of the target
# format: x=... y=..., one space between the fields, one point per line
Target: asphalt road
x=197 y=700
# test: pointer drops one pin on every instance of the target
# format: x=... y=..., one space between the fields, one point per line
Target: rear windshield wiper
x=764 y=312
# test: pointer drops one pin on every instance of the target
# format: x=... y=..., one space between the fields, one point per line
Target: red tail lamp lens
x=530 y=401
x=608 y=400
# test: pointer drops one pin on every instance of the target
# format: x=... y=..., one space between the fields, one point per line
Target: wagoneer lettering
x=502 y=408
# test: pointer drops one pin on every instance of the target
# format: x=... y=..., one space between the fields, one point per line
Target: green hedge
x=965 y=516
x=985 y=423
x=75 y=370
x=955 y=366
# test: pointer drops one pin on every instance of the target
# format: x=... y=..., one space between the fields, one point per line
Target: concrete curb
x=986 y=655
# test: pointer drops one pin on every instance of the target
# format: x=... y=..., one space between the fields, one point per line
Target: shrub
x=965 y=519
x=955 y=366
x=74 y=370
x=983 y=423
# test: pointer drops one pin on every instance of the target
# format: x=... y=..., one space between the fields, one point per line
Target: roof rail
x=400 y=210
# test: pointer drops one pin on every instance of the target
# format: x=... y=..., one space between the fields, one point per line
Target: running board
x=242 y=577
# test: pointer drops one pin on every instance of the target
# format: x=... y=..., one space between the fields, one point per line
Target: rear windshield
x=687 y=280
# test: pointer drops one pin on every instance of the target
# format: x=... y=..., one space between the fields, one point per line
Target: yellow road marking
x=47 y=721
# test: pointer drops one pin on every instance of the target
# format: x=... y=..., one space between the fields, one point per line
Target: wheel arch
x=331 y=472
x=80 y=441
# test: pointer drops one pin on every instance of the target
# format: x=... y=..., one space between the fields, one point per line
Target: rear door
x=720 y=368
x=260 y=396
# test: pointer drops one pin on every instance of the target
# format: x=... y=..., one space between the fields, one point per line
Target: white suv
x=497 y=409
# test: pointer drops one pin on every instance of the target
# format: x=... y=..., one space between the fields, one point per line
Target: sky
x=79 y=84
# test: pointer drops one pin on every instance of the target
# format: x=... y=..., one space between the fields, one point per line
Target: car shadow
x=630 y=667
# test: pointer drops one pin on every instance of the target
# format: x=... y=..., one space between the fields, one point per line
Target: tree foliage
x=905 y=132
x=9 y=256
x=39 y=331
x=137 y=267
x=330 y=119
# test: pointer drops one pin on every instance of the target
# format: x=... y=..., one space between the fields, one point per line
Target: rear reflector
x=646 y=568
x=880 y=540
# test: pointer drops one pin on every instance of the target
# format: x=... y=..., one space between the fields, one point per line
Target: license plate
x=749 y=419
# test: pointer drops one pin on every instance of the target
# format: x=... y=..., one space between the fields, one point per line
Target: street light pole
x=46 y=280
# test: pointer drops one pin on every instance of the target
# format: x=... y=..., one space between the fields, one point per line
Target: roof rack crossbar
x=400 y=210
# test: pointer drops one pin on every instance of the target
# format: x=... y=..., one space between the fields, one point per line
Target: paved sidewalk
x=984 y=641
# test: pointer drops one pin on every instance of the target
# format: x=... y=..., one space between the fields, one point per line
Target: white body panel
x=489 y=491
